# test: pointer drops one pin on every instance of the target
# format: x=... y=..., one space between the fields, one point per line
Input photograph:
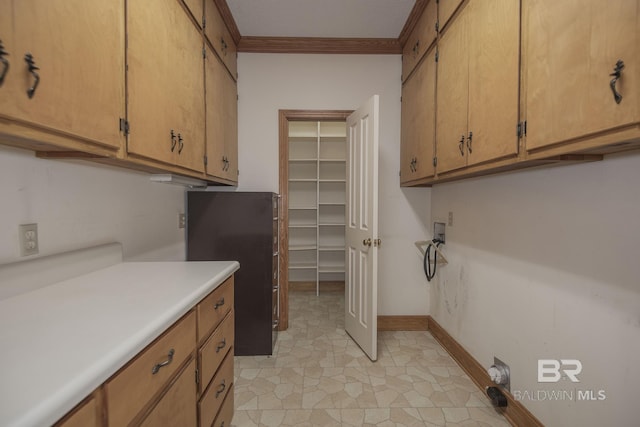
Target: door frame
x=284 y=117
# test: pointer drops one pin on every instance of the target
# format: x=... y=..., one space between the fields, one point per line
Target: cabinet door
x=418 y=121
x=86 y=415
x=178 y=406
x=571 y=48
x=196 y=8
x=78 y=46
x=165 y=84
x=222 y=120
x=420 y=39
x=494 y=79
x=220 y=37
x=446 y=9
x=452 y=96
x=230 y=111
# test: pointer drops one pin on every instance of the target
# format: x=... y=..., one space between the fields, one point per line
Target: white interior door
x=362 y=242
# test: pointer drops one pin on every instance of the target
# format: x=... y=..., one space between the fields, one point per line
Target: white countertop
x=60 y=342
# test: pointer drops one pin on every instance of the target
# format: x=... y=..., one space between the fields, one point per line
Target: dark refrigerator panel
x=241 y=226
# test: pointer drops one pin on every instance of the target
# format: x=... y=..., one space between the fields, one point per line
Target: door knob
x=367 y=242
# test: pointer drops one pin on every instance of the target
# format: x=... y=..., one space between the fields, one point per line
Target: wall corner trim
x=515 y=412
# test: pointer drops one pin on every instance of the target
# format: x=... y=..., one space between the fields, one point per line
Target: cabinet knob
x=616 y=75
x=31 y=63
x=5 y=63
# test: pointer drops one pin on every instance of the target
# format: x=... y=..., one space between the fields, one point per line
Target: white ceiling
x=321 y=18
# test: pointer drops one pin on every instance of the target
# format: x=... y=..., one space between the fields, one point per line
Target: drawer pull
x=221 y=345
x=157 y=366
x=5 y=63
x=219 y=304
x=221 y=389
x=28 y=58
x=276 y=323
x=616 y=75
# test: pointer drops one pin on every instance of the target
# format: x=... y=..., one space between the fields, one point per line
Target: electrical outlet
x=182 y=220
x=500 y=373
x=28 y=235
x=450 y=219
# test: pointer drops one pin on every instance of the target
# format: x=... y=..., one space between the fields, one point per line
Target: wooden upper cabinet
x=196 y=8
x=478 y=83
x=77 y=51
x=446 y=9
x=221 y=120
x=420 y=40
x=220 y=38
x=418 y=121
x=165 y=84
x=453 y=96
x=494 y=79
x=570 y=51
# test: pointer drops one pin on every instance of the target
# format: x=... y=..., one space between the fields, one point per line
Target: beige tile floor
x=319 y=377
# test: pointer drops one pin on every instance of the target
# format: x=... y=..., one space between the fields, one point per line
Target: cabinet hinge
x=437 y=26
x=197 y=377
x=204 y=21
x=124 y=126
x=204 y=53
x=435 y=161
x=206 y=160
x=521 y=129
x=437 y=55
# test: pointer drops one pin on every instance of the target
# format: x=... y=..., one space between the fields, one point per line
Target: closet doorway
x=312 y=175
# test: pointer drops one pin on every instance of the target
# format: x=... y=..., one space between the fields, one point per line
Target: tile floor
x=319 y=377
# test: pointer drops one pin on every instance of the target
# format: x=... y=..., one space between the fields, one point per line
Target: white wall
x=269 y=82
x=545 y=264
x=78 y=204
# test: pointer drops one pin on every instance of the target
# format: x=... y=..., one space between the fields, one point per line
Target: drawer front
x=214 y=349
x=214 y=395
x=131 y=388
x=226 y=412
x=178 y=406
x=213 y=308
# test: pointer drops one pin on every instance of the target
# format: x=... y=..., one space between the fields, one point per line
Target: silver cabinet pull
x=158 y=366
x=219 y=304
x=221 y=389
x=221 y=345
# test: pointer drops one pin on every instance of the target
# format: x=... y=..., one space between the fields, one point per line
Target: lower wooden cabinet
x=84 y=415
x=178 y=406
x=177 y=380
x=143 y=378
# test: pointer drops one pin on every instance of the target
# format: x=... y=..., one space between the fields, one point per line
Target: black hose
x=428 y=270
